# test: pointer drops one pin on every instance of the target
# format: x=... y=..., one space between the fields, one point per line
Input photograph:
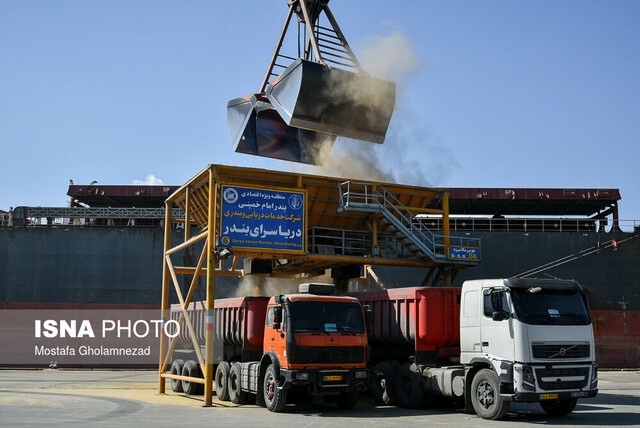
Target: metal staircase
x=409 y=230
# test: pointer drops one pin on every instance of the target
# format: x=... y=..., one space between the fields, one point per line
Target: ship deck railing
x=529 y=224
x=91 y=216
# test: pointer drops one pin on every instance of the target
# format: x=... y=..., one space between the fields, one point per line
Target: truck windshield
x=327 y=317
x=544 y=306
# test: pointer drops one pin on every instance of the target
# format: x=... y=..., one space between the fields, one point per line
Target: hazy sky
x=491 y=93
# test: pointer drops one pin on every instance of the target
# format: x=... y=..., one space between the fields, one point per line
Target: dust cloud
x=391 y=57
x=410 y=154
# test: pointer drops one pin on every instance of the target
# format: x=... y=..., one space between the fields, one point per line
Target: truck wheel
x=383 y=384
x=347 y=400
x=559 y=407
x=191 y=369
x=274 y=398
x=176 y=369
x=222 y=381
x=236 y=394
x=409 y=391
x=485 y=396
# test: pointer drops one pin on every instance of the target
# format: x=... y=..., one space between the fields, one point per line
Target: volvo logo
x=562 y=352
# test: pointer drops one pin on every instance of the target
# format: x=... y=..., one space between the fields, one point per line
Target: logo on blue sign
x=230 y=195
x=295 y=201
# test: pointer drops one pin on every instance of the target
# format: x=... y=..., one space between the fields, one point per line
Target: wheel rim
x=174 y=371
x=233 y=383
x=485 y=394
x=381 y=382
x=270 y=387
x=187 y=384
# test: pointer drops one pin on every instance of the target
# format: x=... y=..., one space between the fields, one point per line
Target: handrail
x=401 y=217
x=532 y=224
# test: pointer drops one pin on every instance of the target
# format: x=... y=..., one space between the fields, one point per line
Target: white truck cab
x=526 y=340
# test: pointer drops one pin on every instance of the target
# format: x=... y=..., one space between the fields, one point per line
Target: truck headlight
x=302 y=376
x=361 y=374
x=594 y=376
x=528 y=381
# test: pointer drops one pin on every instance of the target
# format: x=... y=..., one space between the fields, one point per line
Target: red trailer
x=410 y=325
x=423 y=320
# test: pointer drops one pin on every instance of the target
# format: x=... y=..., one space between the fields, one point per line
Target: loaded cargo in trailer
x=307 y=344
x=487 y=344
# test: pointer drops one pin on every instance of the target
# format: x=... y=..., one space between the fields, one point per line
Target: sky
x=490 y=93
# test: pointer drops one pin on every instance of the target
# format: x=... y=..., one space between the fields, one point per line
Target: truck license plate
x=580 y=394
x=548 y=396
x=331 y=378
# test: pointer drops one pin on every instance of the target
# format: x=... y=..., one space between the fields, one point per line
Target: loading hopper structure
x=296 y=226
x=323 y=93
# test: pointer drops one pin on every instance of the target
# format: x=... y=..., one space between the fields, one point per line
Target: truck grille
x=561 y=372
x=563 y=351
x=328 y=354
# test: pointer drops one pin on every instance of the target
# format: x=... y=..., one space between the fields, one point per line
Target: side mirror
x=277 y=318
x=500 y=315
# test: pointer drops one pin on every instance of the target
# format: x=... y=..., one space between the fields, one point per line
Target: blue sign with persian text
x=464 y=253
x=263 y=219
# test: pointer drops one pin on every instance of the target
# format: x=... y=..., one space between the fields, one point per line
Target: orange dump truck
x=302 y=344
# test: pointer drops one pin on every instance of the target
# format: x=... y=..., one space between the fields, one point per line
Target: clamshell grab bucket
x=256 y=128
x=313 y=96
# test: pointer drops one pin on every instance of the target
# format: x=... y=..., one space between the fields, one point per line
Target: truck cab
x=527 y=340
x=315 y=343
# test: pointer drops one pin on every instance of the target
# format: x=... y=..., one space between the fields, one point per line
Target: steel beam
x=165 y=297
x=211 y=275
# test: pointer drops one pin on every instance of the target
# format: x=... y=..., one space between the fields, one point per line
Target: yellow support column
x=211 y=266
x=166 y=277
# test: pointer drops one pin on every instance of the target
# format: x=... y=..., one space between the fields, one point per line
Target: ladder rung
x=344 y=51
x=325 y=28
x=340 y=63
x=335 y=55
x=333 y=36
x=331 y=42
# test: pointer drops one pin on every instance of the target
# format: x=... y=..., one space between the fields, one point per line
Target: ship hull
x=113 y=267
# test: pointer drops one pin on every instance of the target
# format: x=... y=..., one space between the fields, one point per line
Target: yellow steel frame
x=199 y=200
x=170 y=273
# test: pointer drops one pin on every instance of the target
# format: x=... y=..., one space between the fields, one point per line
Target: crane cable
x=573 y=257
